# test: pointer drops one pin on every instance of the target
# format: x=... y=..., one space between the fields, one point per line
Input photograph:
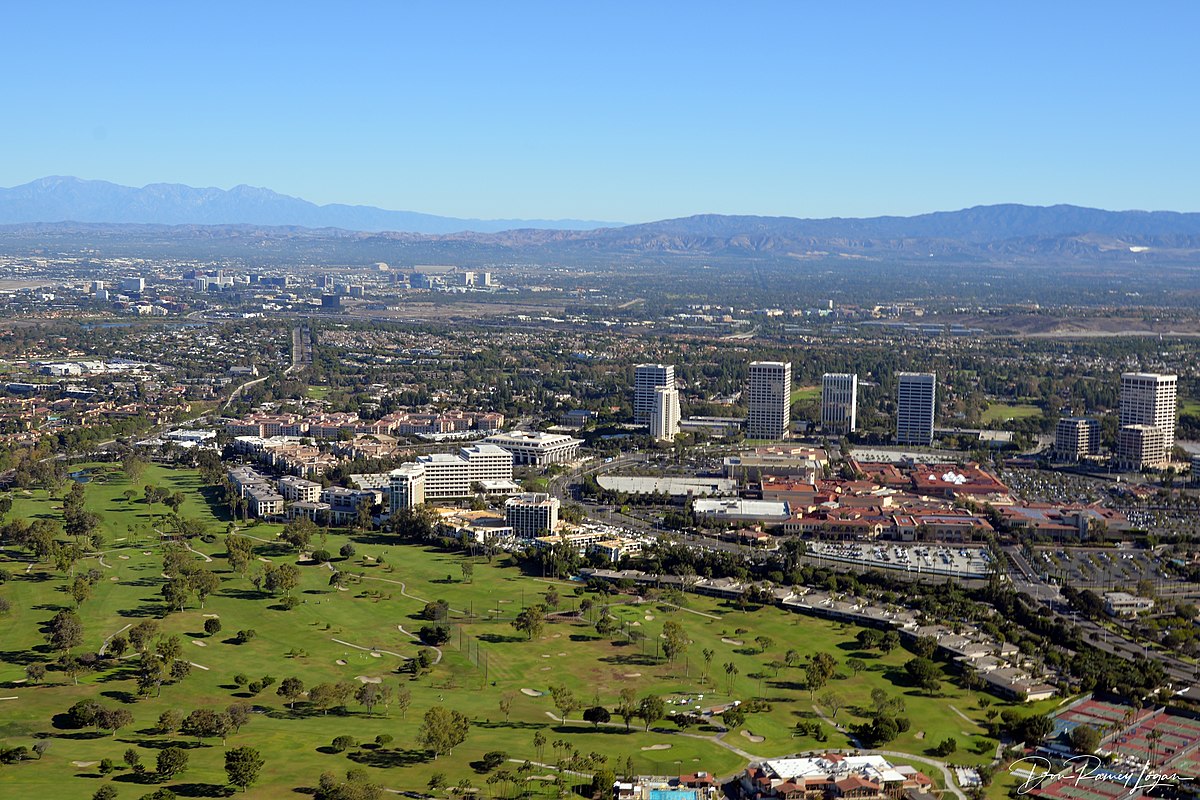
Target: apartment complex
x=915 y=404
x=1148 y=400
x=664 y=419
x=531 y=515
x=1076 y=438
x=769 y=400
x=839 y=402
x=647 y=378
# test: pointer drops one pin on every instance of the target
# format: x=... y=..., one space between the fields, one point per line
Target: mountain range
x=67 y=199
x=69 y=208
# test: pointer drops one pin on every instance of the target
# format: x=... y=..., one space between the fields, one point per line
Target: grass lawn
x=317 y=392
x=364 y=632
x=1189 y=406
x=806 y=393
x=1002 y=412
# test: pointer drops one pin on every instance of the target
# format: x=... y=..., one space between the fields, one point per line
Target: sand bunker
x=84 y=763
x=633 y=674
x=562 y=654
x=545 y=655
x=376 y=655
x=212 y=616
x=199 y=643
x=114 y=578
x=531 y=693
x=753 y=738
x=340 y=663
x=635 y=624
x=545 y=669
x=365 y=679
x=919 y=735
x=123 y=558
x=734 y=642
x=14 y=697
x=146 y=552
x=649 y=618
x=659 y=746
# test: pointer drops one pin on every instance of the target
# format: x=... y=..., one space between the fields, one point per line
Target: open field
x=806 y=393
x=1002 y=412
x=364 y=631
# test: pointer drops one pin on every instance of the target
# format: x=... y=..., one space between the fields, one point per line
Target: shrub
x=289 y=602
x=245 y=635
x=383 y=739
x=321 y=556
x=342 y=743
x=212 y=626
x=240 y=679
x=106 y=766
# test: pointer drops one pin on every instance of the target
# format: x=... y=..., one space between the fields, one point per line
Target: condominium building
x=664 y=419
x=406 y=484
x=647 y=378
x=299 y=490
x=536 y=447
x=769 y=400
x=1147 y=399
x=531 y=515
x=915 y=404
x=1076 y=438
x=839 y=402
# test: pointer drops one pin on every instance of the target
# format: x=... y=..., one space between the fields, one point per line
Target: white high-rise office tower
x=769 y=400
x=1148 y=400
x=647 y=378
x=839 y=402
x=664 y=419
x=915 y=404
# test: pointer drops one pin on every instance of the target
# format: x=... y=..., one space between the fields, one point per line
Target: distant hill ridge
x=982 y=231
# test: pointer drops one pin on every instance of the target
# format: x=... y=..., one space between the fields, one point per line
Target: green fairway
x=364 y=631
x=1002 y=412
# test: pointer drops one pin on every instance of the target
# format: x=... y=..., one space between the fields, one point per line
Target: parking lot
x=955 y=561
x=1102 y=568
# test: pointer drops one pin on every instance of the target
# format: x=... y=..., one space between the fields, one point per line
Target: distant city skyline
x=617 y=112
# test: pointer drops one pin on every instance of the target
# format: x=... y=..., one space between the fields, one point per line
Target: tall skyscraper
x=915 y=404
x=769 y=400
x=647 y=378
x=1147 y=401
x=839 y=402
x=664 y=419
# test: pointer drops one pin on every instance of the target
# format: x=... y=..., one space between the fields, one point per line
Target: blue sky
x=615 y=111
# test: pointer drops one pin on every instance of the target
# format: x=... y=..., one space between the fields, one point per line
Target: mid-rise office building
x=915 y=406
x=769 y=400
x=839 y=402
x=406 y=484
x=531 y=515
x=664 y=419
x=536 y=448
x=456 y=475
x=1142 y=447
x=647 y=378
x=133 y=285
x=1076 y=438
x=1147 y=399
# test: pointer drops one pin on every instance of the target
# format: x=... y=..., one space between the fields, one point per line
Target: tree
x=468 y=571
x=946 y=747
x=105 y=792
x=168 y=721
x=285 y=577
x=1035 y=728
x=834 y=702
x=889 y=642
x=369 y=695
x=531 y=621
x=764 y=643
x=205 y=723
x=733 y=717
x=142 y=634
x=924 y=673
x=322 y=696
x=35 y=672
x=564 y=700
x=291 y=689
x=1084 y=739
x=81 y=590
x=403 y=700
x=597 y=715
x=925 y=646
x=114 y=719
x=627 y=706
x=442 y=730
x=675 y=640
x=239 y=715
x=203 y=582
x=506 y=701
x=133 y=467
x=731 y=671
x=346 y=550
x=212 y=626
x=651 y=709
x=857 y=665
x=869 y=638
x=815 y=677
x=171 y=761
x=175 y=592
x=66 y=632
x=242 y=765
x=298 y=533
